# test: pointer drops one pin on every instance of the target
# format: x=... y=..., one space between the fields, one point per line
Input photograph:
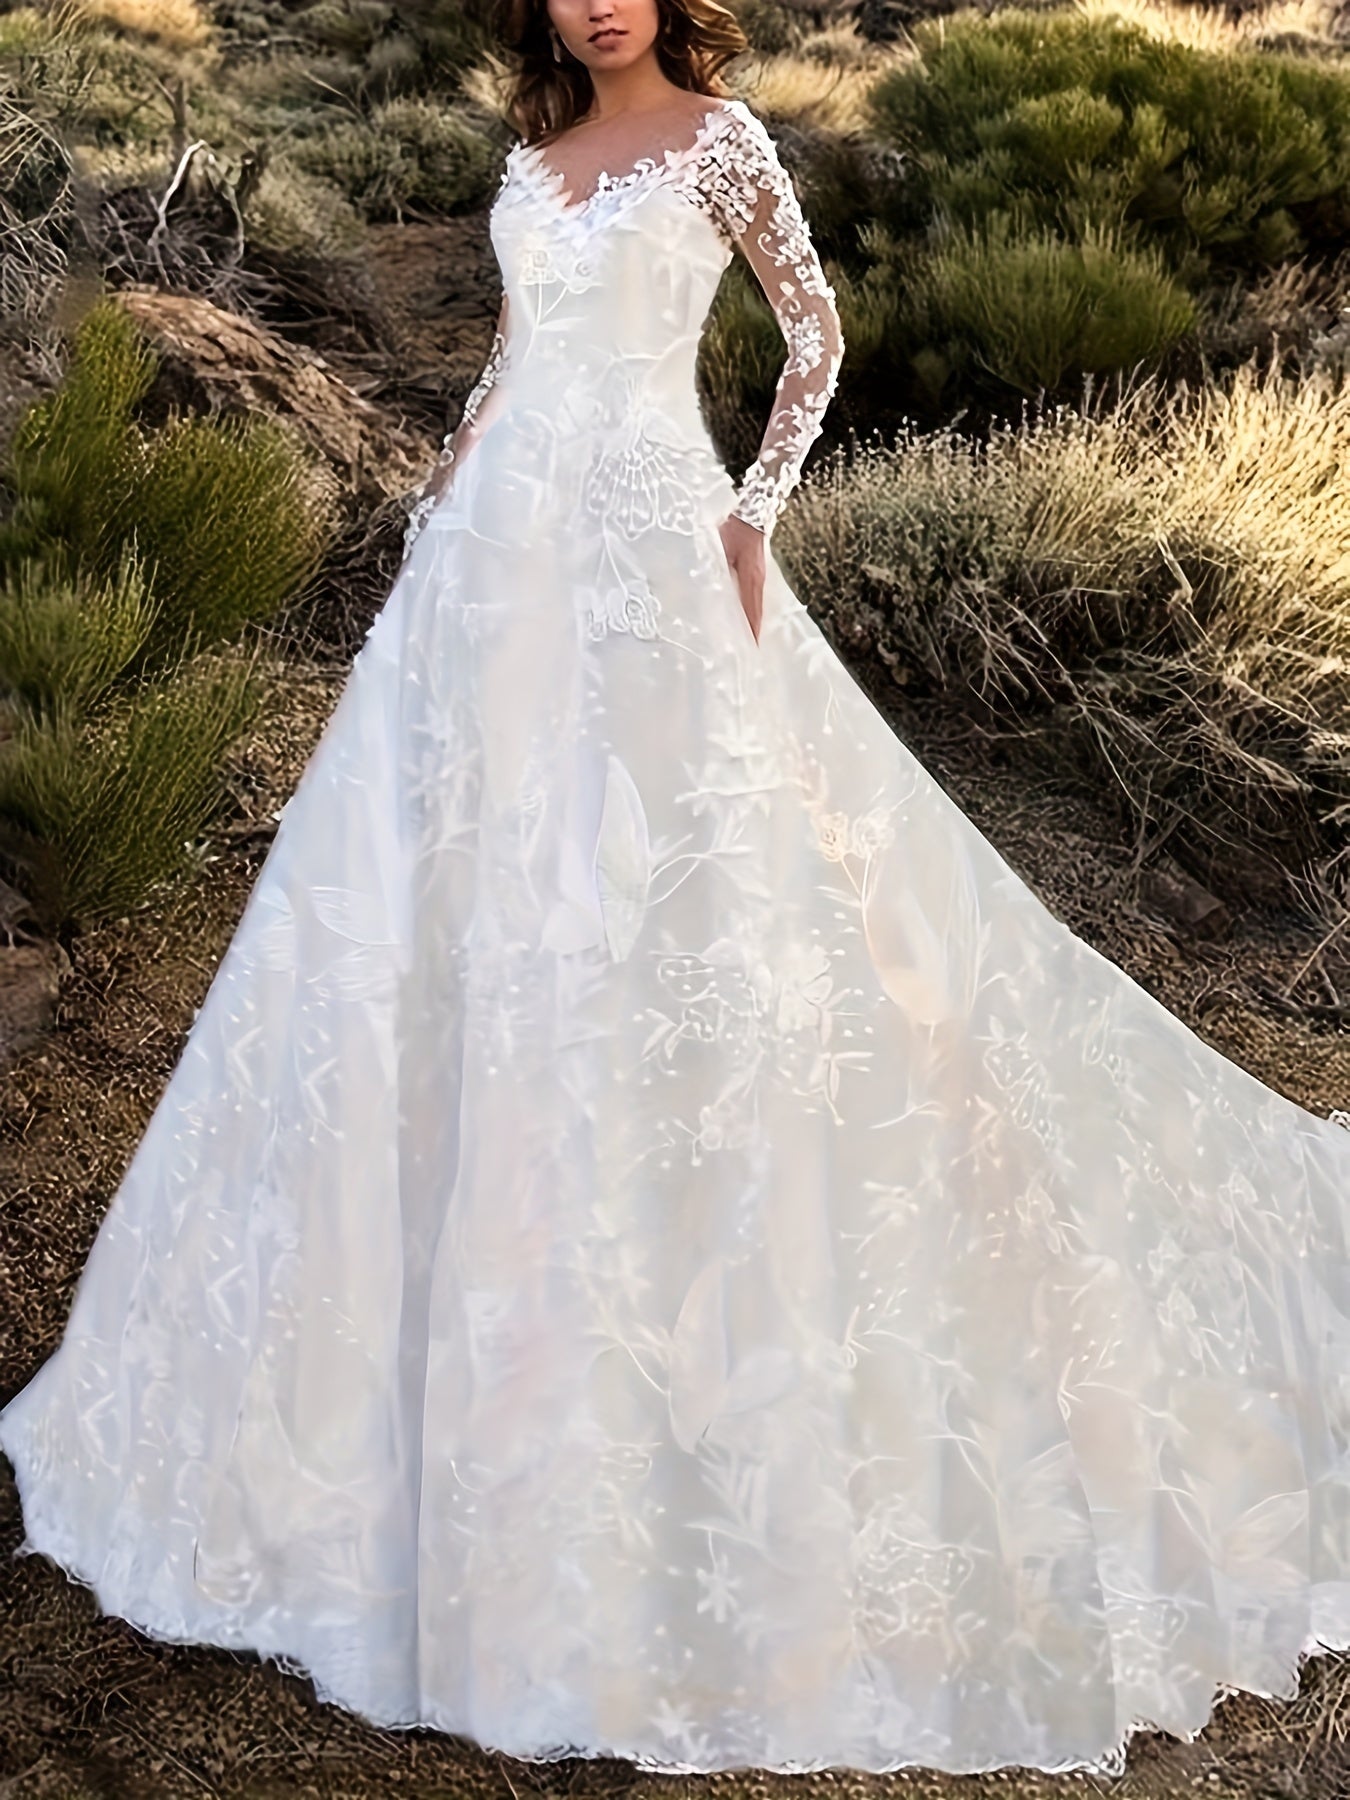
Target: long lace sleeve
x=755 y=202
x=456 y=444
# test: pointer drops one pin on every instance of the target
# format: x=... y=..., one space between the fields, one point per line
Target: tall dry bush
x=1152 y=595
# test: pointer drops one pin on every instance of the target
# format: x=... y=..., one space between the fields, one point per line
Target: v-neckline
x=554 y=181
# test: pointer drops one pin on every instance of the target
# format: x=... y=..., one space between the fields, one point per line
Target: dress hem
x=1110 y=1762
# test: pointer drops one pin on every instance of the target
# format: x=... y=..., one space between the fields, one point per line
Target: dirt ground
x=90 y=1708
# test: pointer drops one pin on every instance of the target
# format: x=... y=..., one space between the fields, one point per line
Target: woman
x=658 y=1243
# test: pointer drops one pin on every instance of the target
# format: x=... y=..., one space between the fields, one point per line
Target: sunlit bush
x=1154 y=595
x=1065 y=121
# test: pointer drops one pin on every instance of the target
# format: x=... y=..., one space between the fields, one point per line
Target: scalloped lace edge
x=553 y=182
x=1111 y=1762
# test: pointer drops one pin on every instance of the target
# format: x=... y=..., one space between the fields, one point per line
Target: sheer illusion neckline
x=554 y=181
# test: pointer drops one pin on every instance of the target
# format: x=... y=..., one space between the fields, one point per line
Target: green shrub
x=130 y=563
x=456 y=165
x=120 y=800
x=64 y=642
x=348 y=26
x=1064 y=122
x=64 y=446
x=218 y=508
x=409 y=150
x=1035 y=312
x=447 y=38
x=291 y=210
x=23 y=32
x=419 y=46
x=769 y=27
x=375 y=173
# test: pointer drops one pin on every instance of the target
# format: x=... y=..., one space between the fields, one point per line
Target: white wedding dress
x=658 y=1243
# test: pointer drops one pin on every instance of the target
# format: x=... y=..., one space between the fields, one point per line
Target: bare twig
x=179 y=174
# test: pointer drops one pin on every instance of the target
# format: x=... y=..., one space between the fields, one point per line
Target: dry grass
x=33 y=234
x=1258 y=465
x=1255 y=465
x=827 y=92
x=176 y=24
x=1300 y=309
x=1155 y=594
x=1215 y=29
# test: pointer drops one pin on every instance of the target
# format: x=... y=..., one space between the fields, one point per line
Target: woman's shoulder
x=734 y=142
x=727 y=111
x=734 y=124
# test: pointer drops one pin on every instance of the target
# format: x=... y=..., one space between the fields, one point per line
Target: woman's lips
x=609 y=37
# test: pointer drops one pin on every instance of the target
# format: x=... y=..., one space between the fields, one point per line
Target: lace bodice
x=614 y=288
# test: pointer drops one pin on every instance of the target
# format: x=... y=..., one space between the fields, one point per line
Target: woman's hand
x=745 y=549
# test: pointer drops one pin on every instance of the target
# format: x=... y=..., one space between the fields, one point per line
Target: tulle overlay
x=659 y=1244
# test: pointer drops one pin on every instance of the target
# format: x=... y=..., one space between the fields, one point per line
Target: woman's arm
x=456 y=445
x=755 y=201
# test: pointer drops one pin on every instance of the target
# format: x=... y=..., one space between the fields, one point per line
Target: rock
x=213 y=360
x=30 y=983
x=1170 y=891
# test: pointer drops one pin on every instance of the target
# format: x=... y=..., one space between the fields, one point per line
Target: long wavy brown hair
x=695 y=39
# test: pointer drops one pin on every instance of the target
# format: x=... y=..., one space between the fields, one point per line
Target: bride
x=658 y=1243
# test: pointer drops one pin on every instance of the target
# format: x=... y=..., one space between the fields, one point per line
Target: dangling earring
x=557 y=44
